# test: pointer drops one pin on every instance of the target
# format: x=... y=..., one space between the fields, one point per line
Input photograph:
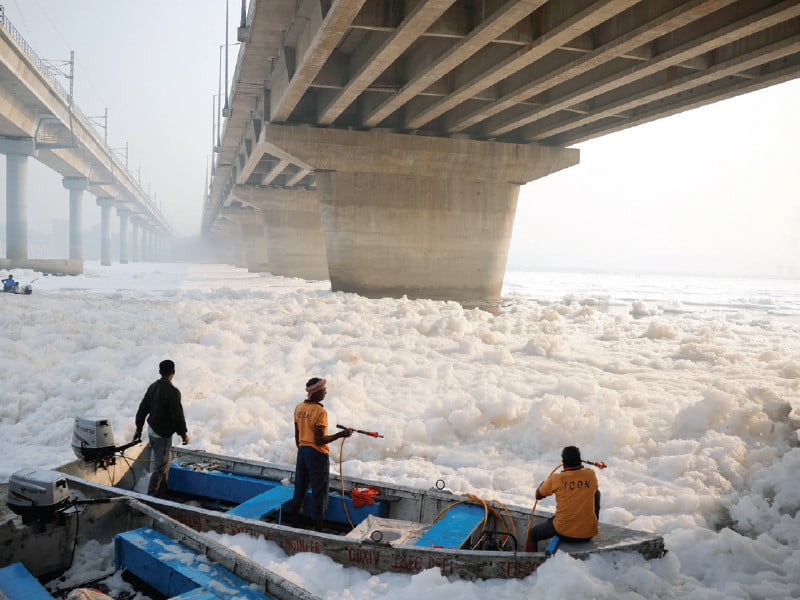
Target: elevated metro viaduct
x=382 y=143
x=38 y=119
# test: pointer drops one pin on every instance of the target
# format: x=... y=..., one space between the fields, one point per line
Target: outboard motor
x=37 y=495
x=93 y=440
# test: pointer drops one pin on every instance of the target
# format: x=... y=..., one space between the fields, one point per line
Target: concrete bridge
x=382 y=144
x=39 y=119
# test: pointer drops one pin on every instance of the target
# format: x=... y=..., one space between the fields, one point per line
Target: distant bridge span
x=382 y=143
x=39 y=119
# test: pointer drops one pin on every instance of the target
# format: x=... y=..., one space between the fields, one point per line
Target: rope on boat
x=341 y=480
x=533 y=510
x=489 y=511
x=364 y=497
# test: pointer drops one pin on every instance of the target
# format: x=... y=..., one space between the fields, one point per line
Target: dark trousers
x=312 y=470
x=546 y=530
x=161 y=457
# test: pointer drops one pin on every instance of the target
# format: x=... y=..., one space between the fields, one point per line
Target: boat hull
x=46 y=550
x=373 y=553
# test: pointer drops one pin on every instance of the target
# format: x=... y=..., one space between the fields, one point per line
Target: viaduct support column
x=227 y=240
x=293 y=226
x=76 y=186
x=105 y=205
x=154 y=245
x=143 y=250
x=252 y=235
x=134 y=239
x=124 y=215
x=17 y=153
x=421 y=216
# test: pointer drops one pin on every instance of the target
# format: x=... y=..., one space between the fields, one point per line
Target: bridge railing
x=50 y=74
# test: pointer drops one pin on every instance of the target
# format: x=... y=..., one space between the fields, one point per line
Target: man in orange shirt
x=313 y=463
x=577 y=503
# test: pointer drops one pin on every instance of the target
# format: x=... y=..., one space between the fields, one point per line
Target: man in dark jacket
x=162 y=402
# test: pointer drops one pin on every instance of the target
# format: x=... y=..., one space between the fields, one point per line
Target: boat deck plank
x=175 y=570
x=16 y=583
x=454 y=528
x=265 y=503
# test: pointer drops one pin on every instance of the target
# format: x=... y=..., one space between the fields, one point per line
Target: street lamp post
x=226 y=111
x=222 y=112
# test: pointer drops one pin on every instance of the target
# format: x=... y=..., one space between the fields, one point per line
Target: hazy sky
x=714 y=190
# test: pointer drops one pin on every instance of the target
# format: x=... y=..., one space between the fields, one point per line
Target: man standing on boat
x=577 y=503
x=313 y=462
x=162 y=402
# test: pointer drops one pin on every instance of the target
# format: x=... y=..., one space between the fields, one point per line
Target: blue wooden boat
x=156 y=553
x=404 y=530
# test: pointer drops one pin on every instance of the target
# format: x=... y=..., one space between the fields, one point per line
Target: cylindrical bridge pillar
x=105 y=205
x=124 y=215
x=17 y=153
x=76 y=186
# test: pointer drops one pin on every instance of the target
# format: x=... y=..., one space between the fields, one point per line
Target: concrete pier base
x=411 y=215
x=293 y=226
x=427 y=237
x=48 y=266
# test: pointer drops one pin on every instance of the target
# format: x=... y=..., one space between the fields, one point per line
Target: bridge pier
x=105 y=205
x=227 y=239
x=17 y=153
x=124 y=216
x=294 y=243
x=76 y=187
x=134 y=239
x=418 y=216
x=144 y=251
x=252 y=235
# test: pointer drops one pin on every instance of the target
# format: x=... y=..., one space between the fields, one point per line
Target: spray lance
x=374 y=434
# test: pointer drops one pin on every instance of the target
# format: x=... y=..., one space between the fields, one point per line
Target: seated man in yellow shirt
x=577 y=503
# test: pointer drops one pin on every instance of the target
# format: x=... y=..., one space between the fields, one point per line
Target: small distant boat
x=39 y=538
x=376 y=526
x=26 y=290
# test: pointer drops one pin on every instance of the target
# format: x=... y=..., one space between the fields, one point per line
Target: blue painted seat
x=265 y=503
x=454 y=528
x=16 y=583
x=259 y=498
x=175 y=570
x=196 y=594
x=218 y=485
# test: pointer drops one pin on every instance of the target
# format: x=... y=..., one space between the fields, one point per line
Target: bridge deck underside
x=552 y=72
x=555 y=72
